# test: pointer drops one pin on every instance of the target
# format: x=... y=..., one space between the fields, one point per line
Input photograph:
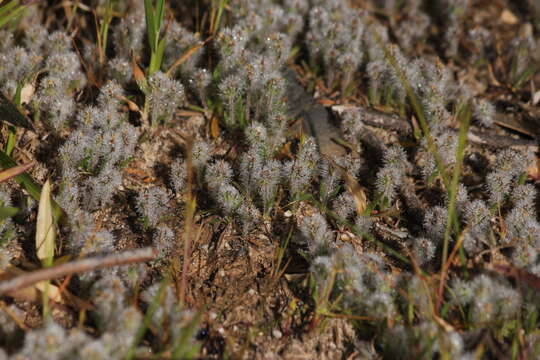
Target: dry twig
x=77 y=266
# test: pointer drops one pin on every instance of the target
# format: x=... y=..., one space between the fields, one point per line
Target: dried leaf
x=214 y=127
x=52 y=291
x=534 y=170
x=285 y=151
x=327 y=102
x=354 y=188
x=45 y=229
x=536 y=98
x=131 y=105
x=139 y=76
x=508 y=17
x=184 y=57
x=27 y=92
x=14 y=171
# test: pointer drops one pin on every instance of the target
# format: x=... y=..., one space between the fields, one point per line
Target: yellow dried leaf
x=139 y=76
x=27 y=93
x=30 y=293
x=52 y=291
x=508 y=17
x=45 y=228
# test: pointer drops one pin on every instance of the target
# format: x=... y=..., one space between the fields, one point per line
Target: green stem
x=10 y=145
x=417 y=107
x=29 y=184
x=452 y=221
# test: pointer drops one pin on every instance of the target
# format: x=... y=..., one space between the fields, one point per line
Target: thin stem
x=466 y=115
x=417 y=107
x=191 y=206
x=452 y=220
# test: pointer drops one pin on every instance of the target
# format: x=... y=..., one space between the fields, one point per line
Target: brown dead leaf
x=327 y=102
x=188 y=113
x=136 y=172
x=214 y=127
x=185 y=56
x=534 y=170
x=140 y=78
x=285 y=151
x=492 y=76
x=131 y=105
x=354 y=188
x=508 y=17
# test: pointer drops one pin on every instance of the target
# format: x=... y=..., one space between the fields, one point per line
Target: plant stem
x=465 y=119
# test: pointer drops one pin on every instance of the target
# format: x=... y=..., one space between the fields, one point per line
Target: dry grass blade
x=14 y=171
x=78 y=266
x=138 y=74
x=131 y=105
x=354 y=188
x=45 y=228
x=10 y=312
x=185 y=56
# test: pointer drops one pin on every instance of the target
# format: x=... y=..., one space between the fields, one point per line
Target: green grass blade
x=4 y=10
x=12 y=15
x=10 y=145
x=222 y=4
x=12 y=115
x=150 y=24
x=147 y=321
x=29 y=184
x=417 y=107
x=7 y=212
x=160 y=5
x=524 y=76
x=159 y=54
x=181 y=345
x=452 y=221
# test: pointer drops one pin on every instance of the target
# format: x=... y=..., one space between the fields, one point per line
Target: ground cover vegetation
x=258 y=179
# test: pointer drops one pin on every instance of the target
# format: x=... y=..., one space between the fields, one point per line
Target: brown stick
x=77 y=266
